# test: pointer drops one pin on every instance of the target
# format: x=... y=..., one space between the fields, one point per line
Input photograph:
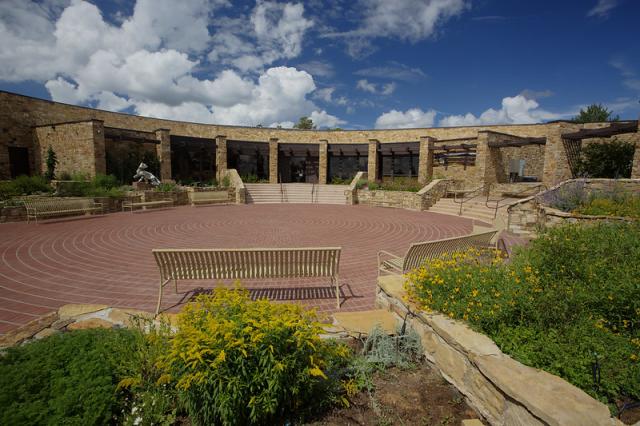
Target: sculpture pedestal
x=141 y=186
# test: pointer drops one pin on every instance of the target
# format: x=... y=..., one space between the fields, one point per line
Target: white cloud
x=385 y=89
x=410 y=118
x=323 y=120
x=317 y=68
x=272 y=32
x=365 y=86
x=602 y=8
x=515 y=110
x=410 y=20
x=394 y=70
x=536 y=94
x=325 y=94
x=149 y=61
x=388 y=88
x=630 y=77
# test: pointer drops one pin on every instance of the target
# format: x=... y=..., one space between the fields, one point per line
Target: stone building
x=91 y=141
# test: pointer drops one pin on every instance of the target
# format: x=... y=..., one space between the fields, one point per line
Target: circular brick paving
x=107 y=259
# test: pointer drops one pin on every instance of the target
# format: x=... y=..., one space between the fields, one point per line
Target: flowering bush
x=239 y=362
x=568 y=303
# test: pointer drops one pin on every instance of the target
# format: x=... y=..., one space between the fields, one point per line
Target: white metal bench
x=419 y=252
x=131 y=205
x=220 y=264
x=208 y=197
x=55 y=206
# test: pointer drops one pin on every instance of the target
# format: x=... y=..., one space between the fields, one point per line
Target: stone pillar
x=323 y=161
x=635 y=166
x=372 y=168
x=163 y=150
x=484 y=165
x=273 y=160
x=556 y=164
x=99 y=150
x=5 y=164
x=425 y=161
x=221 y=157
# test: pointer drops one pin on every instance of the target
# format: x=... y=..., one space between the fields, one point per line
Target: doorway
x=18 y=161
x=298 y=163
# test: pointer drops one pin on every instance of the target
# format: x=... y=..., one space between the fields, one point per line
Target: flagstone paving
x=107 y=259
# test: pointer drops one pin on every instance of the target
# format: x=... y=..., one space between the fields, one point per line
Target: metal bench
x=131 y=205
x=419 y=252
x=55 y=206
x=220 y=264
x=208 y=197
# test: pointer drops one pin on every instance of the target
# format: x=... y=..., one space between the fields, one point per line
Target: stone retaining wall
x=396 y=199
x=180 y=198
x=502 y=390
x=530 y=214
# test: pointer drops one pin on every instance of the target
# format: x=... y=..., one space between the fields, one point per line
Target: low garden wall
x=180 y=198
x=502 y=390
x=420 y=200
x=530 y=214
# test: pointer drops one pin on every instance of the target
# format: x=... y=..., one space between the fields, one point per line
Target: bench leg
x=162 y=284
x=175 y=283
x=335 y=279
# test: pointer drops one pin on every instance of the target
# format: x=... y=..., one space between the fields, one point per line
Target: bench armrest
x=386 y=253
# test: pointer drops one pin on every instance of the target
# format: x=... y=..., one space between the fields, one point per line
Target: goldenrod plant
x=243 y=362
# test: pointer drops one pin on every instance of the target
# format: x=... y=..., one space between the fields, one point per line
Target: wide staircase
x=476 y=209
x=302 y=193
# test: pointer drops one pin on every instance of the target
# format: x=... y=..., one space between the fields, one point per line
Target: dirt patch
x=404 y=397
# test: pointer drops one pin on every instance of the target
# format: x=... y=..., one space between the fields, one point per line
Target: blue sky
x=353 y=64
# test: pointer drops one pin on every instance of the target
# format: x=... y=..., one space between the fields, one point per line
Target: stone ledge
x=503 y=390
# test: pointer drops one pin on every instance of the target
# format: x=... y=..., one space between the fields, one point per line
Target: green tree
x=611 y=160
x=595 y=113
x=304 y=123
x=52 y=161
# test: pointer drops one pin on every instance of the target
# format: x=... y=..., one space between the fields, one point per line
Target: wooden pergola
x=455 y=150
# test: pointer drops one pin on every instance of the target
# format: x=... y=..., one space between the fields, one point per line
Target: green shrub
x=52 y=161
x=373 y=186
x=361 y=183
x=226 y=181
x=64 y=379
x=99 y=186
x=23 y=185
x=145 y=388
x=166 y=187
x=628 y=206
x=337 y=180
x=607 y=160
x=568 y=299
x=240 y=362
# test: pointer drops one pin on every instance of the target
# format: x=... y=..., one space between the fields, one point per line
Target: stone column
x=484 y=166
x=273 y=160
x=635 y=166
x=372 y=169
x=99 y=150
x=221 y=157
x=163 y=151
x=5 y=164
x=556 y=164
x=425 y=161
x=323 y=161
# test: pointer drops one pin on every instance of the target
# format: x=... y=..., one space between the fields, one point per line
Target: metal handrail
x=313 y=188
x=281 y=189
x=464 y=199
x=497 y=205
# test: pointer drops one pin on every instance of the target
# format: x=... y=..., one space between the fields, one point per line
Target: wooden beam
x=604 y=132
x=517 y=142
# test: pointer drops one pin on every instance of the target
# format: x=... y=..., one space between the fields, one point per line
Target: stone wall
x=530 y=214
x=395 y=199
x=502 y=390
x=180 y=198
x=19 y=114
x=79 y=147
